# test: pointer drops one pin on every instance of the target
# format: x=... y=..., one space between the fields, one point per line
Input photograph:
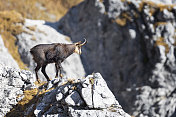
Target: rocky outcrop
x=5 y=56
x=85 y=97
x=132 y=43
x=12 y=84
x=89 y=97
x=35 y=32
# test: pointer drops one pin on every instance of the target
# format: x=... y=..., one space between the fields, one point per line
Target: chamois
x=44 y=54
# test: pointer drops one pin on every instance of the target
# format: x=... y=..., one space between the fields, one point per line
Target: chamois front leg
x=36 y=70
x=58 y=69
x=44 y=73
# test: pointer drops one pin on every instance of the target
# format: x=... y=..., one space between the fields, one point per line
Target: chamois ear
x=78 y=43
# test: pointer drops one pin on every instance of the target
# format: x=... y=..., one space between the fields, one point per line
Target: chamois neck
x=70 y=49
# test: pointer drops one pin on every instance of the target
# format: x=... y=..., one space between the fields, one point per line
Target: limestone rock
x=74 y=99
x=6 y=56
x=75 y=104
x=12 y=85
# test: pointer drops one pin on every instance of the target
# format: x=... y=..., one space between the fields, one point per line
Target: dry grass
x=49 y=10
x=160 y=23
x=155 y=5
x=91 y=80
x=9 y=27
x=161 y=41
x=121 y=21
x=123 y=18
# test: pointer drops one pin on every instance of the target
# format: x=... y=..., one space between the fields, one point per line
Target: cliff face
x=132 y=43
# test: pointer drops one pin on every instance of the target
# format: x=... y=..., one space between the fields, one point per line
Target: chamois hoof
x=61 y=75
x=48 y=79
x=38 y=81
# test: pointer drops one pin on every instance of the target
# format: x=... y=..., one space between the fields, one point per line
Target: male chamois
x=44 y=54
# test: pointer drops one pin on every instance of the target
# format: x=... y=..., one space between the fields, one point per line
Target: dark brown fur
x=44 y=54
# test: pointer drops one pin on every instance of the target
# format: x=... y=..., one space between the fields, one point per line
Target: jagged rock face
x=36 y=32
x=13 y=83
x=132 y=43
x=72 y=100
x=5 y=56
x=66 y=98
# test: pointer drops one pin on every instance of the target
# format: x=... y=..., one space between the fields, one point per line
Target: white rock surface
x=5 y=56
x=74 y=99
x=74 y=103
x=12 y=84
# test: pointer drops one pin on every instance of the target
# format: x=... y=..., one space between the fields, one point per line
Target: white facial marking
x=77 y=50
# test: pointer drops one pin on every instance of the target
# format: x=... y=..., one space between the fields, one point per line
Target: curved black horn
x=85 y=41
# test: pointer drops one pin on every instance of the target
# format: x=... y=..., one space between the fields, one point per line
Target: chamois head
x=78 y=46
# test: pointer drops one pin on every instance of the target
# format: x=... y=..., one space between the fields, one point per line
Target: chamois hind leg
x=44 y=73
x=36 y=70
x=58 y=69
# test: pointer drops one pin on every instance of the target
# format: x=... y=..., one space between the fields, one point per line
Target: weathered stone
x=79 y=102
x=74 y=99
x=102 y=93
x=97 y=113
x=59 y=96
x=11 y=87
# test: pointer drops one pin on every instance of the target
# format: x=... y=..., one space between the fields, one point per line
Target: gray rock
x=12 y=85
x=6 y=56
x=96 y=113
x=74 y=99
x=75 y=103
x=128 y=60
x=102 y=96
x=59 y=96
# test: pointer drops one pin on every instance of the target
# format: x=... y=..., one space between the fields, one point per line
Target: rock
x=96 y=113
x=97 y=95
x=102 y=96
x=132 y=45
x=36 y=32
x=59 y=96
x=87 y=96
x=75 y=104
x=74 y=99
x=12 y=86
x=6 y=56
